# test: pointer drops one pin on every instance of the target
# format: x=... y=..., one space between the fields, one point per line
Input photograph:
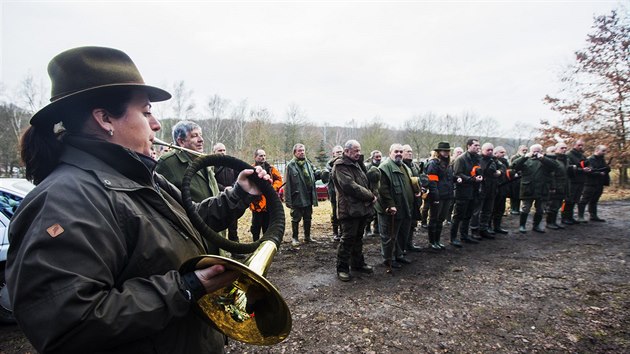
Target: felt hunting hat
x=443 y=146
x=88 y=70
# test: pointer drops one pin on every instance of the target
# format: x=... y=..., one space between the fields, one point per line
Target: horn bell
x=251 y=309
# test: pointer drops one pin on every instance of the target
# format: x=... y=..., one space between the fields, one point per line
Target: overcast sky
x=336 y=60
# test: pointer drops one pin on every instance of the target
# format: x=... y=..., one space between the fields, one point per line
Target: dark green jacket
x=463 y=168
x=374 y=176
x=95 y=252
x=503 y=181
x=395 y=189
x=561 y=178
x=416 y=171
x=296 y=193
x=576 y=162
x=599 y=175
x=537 y=176
x=332 y=195
x=354 y=197
x=173 y=165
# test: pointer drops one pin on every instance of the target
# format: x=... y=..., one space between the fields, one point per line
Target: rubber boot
x=551 y=221
x=336 y=236
x=592 y=211
x=537 y=219
x=410 y=246
x=454 y=227
x=581 y=208
x=497 y=227
x=463 y=231
x=295 y=229
x=522 y=221
x=432 y=240
x=437 y=236
x=307 y=232
x=567 y=214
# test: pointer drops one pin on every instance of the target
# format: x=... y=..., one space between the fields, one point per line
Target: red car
x=320 y=187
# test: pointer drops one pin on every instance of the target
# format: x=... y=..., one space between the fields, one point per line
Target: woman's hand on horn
x=215 y=277
x=249 y=186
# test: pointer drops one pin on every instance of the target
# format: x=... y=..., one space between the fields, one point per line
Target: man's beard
x=398 y=160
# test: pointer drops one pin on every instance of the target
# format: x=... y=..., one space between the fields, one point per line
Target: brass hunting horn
x=251 y=309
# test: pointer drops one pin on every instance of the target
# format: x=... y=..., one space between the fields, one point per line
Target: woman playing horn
x=96 y=245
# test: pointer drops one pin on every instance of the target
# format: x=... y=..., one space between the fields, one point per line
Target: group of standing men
x=212 y=180
x=468 y=188
x=474 y=186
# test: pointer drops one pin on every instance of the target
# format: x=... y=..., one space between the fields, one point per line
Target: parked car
x=322 y=190
x=320 y=187
x=12 y=191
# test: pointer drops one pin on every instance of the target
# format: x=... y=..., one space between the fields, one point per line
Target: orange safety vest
x=261 y=205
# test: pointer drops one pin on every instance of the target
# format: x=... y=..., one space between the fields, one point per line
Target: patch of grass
x=321 y=220
x=615 y=193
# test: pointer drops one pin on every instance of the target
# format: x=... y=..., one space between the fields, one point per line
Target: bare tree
x=374 y=136
x=293 y=127
x=11 y=116
x=418 y=132
x=182 y=104
x=260 y=134
x=32 y=93
x=239 y=118
x=214 y=126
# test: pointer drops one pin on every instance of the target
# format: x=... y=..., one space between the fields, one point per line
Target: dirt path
x=563 y=291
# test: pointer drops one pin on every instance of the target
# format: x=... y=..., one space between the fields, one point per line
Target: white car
x=12 y=191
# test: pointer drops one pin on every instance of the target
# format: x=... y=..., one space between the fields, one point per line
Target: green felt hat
x=79 y=71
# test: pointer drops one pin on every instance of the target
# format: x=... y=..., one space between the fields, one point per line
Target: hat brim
x=53 y=112
x=441 y=149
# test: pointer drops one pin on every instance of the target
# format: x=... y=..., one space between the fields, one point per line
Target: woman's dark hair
x=41 y=146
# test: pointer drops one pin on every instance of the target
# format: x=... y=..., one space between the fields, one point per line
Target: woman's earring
x=111 y=132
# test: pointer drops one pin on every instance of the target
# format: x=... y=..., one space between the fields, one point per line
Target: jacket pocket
x=527 y=189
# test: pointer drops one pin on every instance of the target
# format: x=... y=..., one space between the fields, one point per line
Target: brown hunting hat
x=83 y=70
x=443 y=146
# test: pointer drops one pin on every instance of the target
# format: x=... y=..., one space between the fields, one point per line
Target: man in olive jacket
x=503 y=187
x=337 y=151
x=225 y=177
x=299 y=192
x=536 y=181
x=561 y=185
x=355 y=203
x=394 y=206
x=577 y=176
x=515 y=188
x=374 y=177
x=173 y=164
x=594 y=185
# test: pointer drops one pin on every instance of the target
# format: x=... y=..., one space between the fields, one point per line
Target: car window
x=9 y=203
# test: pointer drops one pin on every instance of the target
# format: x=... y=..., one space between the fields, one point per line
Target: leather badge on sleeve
x=55 y=230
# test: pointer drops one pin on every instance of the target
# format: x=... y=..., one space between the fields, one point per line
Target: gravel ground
x=562 y=291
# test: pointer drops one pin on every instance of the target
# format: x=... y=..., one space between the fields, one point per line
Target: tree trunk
x=623 y=176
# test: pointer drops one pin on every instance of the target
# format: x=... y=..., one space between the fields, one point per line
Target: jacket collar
x=114 y=165
x=186 y=159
